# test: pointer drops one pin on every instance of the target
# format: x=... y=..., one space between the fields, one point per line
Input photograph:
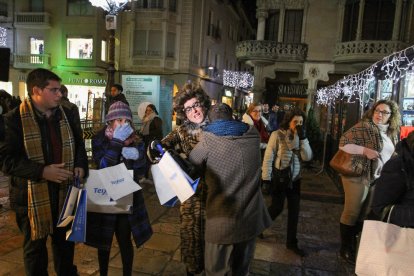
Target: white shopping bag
x=117 y=181
x=171 y=181
x=99 y=200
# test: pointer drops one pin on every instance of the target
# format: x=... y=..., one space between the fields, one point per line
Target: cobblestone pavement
x=318 y=235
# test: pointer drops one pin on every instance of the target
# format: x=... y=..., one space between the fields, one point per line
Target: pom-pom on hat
x=118 y=110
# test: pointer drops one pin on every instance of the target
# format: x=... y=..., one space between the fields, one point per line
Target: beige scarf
x=39 y=208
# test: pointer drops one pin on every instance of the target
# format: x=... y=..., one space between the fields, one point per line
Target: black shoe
x=261 y=236
x=295 y=249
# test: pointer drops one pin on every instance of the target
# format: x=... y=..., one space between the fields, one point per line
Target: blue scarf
x=227 y=128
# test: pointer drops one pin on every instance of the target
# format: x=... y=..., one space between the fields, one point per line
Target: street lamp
x=112 y=7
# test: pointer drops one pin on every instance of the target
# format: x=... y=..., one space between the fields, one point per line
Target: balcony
x=32 y=20
x=271 y=51
x=31 y=61
x=366 y=50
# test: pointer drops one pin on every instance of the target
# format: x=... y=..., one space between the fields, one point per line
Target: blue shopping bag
x=77 y=233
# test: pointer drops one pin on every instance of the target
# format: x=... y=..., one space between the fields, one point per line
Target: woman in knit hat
x=117 y=142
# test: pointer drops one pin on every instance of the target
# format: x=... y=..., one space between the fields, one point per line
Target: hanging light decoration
x=395 y=67
x=111 y=6
x=237 y=79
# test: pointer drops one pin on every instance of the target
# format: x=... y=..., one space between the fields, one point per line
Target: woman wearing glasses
x=191 y=106
x=371 y=142
x=254 y=117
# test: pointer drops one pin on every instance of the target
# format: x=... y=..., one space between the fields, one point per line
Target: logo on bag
x=99 y=191
x=117 y=181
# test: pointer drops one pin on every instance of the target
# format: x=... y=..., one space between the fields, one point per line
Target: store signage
x=87 y=81
x=292 y=90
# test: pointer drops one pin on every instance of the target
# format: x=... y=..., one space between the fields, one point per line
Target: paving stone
x=163 y=242
x=174 y=268
x=150 y=261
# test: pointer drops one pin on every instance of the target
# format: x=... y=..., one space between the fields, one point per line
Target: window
x=103 y=50
x=272 y=26
x=154 y=45
x=172 y=5
x=36 y=46
x=79 y=7
x=147 y=43
x=3 y=9
x=378 y=19
x=170 y=45
x=350 y=20
x=79 y=48
x=293 y=26
x=156 y=4
x=140 y=43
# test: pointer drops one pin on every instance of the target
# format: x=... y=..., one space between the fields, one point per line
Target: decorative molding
x=271 y=51
x=363 y=50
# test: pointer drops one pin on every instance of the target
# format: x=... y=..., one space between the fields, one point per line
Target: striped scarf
x=39 y=208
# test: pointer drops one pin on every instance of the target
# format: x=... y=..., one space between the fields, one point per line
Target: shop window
x=350 y=20
x=292 y=32
x=272 y=26
x=103 y=50
x=79 y=7
x=79 y=48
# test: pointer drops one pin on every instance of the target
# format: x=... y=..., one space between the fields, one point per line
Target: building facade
x=179 y=40
x=302 y=45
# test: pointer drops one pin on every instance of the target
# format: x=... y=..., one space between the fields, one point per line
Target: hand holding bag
x=342 y=163
x=385 y=249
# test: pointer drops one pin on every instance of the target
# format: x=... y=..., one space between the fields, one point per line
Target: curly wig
x=189 y=92
x=395 y=119
x=289 y=116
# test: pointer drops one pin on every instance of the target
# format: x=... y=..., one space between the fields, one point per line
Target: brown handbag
x=342 y=163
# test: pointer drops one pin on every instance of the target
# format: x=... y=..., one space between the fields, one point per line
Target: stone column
x=261 y=24
x=360 y=20
x=259 y=84
x=281 y=24
x=397 y=21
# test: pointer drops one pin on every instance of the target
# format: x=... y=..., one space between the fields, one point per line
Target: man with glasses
x=43 y=151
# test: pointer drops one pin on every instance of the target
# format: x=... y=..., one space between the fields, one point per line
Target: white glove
x=130 y=153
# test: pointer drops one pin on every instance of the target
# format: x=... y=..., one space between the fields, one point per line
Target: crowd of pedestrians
x=43 y=152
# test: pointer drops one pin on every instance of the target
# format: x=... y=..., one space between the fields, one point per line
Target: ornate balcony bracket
x=366 y=50
x=271 y=51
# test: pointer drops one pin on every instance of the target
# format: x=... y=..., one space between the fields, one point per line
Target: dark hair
x=64 y=90
x=118 y=86
x=220 y=111
x=189 y=92
x=289 y=116
x=40 y=77
x=395 y=117
x=153 y=108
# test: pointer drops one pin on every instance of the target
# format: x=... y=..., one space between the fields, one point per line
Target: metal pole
x=111 y=68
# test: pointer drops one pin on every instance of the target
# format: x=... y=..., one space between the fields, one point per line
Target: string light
x=237 y=79
x=394 y=67
x=111 y=6
x=3 y=36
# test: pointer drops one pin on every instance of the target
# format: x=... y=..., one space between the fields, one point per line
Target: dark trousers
x=279 y=194
x=123 y=236
x=35 y=252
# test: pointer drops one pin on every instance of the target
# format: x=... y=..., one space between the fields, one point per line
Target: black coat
x=14 y=160
x=395 y=186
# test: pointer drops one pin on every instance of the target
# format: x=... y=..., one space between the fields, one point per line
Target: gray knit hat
x=118 y=110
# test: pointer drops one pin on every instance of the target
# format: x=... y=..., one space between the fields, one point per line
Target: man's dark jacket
x=14 y=160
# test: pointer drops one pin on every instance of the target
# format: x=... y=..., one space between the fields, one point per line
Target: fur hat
x=220 y=111
x=118 y=110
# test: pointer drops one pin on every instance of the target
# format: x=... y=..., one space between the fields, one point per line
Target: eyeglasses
x=190 y=108
x=383 y=112
x=54 y=90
